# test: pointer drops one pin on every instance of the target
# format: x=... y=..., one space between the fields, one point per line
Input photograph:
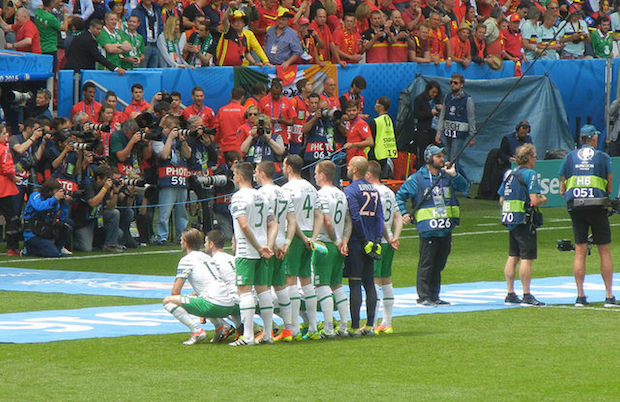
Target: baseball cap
x=515 y=18
x=303 y=21
x=431 y=150
x=284 y=13
x=588 y=131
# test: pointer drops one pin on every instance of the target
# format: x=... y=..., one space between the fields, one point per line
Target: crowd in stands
x=200 y=33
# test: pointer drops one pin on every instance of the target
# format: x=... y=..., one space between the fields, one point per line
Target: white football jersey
x=305 y=200
x=206 y=281
x=281 y=204
x=334 y=204
x=250 y=203
x=388 y=202
x=224 y=263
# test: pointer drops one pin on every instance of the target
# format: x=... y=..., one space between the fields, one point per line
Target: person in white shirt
x=335 y=234
x=285 y=216
x=392 y=228
x=255 y=232
x=309 y=224
x=211 y=299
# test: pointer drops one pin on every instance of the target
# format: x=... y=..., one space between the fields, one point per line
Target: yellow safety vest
x=385 y=141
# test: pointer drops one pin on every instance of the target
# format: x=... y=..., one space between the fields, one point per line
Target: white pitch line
x=584 y=308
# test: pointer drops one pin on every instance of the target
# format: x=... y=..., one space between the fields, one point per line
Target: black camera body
x=260 y=130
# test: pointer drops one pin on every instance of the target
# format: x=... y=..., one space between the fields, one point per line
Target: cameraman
x=46 y=225
x=203 y=158
x=323 y=135
x=97 y=209
x=128 y=148
x=262 y=144
x=171 y=153
x=586 y=182
x=60 y=154
x=221 y=207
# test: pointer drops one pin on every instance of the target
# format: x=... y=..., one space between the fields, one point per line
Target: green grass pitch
x=518 y=354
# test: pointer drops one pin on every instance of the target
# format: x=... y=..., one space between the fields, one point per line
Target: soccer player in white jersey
x=392 y=227
x=335 y=234
x=309 y=224
x=224 y=263
x=255 y=234
x=212 y=299
x=284 y=213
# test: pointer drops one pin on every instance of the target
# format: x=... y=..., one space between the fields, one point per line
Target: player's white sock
x=377 y=288
x=388 y=304
x=310 y=296
x=324 y=294
x=183 y=316
x=265 y=302
x=247 y=307
x=293 y=292
x=284 y=300
x=342 y=305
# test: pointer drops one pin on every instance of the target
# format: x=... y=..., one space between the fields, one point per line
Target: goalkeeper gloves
x=373 y=249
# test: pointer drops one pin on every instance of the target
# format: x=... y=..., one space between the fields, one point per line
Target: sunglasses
x=252 y=114
x=455 y=82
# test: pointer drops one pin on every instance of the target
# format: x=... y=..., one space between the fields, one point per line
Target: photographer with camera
x=171 y=153
x=60 y=156
x=203 y=158
x=96 y=209
x=262 y=144
x=8 y=192
x=128 y=147
x=585 y=183
x=46 y=225
x=27 y=152
x=323 y=135
x=520 y=198
x=221 y=207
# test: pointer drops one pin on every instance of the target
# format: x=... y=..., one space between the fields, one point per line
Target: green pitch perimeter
x=558 y=353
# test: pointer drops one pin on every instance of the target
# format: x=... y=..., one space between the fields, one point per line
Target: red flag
x=518 y=72
x=287 y=76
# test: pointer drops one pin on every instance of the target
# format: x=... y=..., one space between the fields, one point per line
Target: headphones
x=428 y=156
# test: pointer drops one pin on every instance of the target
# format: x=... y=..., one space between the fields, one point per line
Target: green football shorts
x=328 y=267
x=276 y=268
x=252 y=271
x=298 y=258
x=383 y=267
x=199 y=307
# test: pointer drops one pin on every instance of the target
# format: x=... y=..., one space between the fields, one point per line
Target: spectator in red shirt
x=228 y=120
x=258 y=91
x=26 y=33
x=112 y=100
x=199 y=109
x=308 y=43
x=377 y=39
x=346 y=46
x=513 y=42
x=300 y=103
x=460 y=46
x=325 y=34
x=279 y=109
x=267 y=17
x=399 y=49
x=138 y=104
x=413 y=16
x=420 y=51
x=358 y=136
x=88 y=104
x=438 y=42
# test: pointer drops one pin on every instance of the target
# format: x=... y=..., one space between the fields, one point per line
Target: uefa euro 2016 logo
x=585 y=153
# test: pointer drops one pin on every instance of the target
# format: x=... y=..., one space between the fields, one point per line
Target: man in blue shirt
x=519 y=191
x=364 y=244
x=510 y=143
x=436 y=215
x=282 y=43
x=585 y=183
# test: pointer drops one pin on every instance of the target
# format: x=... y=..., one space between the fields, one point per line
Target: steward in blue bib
x=172 y=169
x=585 y=171
x=515 y=191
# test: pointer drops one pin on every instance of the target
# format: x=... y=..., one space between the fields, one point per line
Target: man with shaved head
x=364 y=244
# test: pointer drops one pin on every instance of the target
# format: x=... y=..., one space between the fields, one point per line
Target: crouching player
x=328 y=267
x=212 y=298
x=383 y=267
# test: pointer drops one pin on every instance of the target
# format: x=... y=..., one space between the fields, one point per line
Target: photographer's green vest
x=440 y=211
x=385 y=141
x=172 y=174
x=131 y=164
x=585 y=170
x=516 y=207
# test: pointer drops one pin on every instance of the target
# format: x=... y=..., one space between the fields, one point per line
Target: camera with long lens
x=150 y=136
x=75 y=193
x=331 y=114
x=98 y=126
x=218 y=180
x=125 y=181
x=84 y=146
x=567 y=245
x=19 y=98
x=201 y=131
